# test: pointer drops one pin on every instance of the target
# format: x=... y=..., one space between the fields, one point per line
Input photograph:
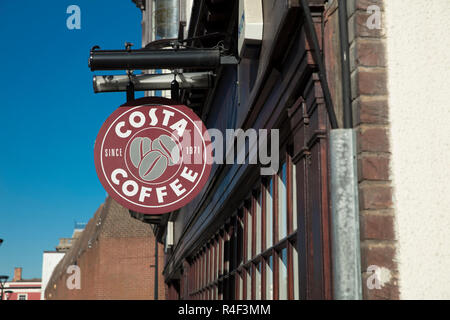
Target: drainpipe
x=345 y=63
x=347 y=282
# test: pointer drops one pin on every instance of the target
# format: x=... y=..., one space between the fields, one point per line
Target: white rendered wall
x=418 y=52
x=49 y=261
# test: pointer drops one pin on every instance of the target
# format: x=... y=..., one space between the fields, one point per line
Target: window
x=269 y=278
x=282 y=202
x=218 y=269
x=249 y=284
x=22 y=297
x=258 y=281
x=258 y=230
x=253 y=255
x=202 y=271
x=214 y=261
x=269 y=214
x=196 y=272
x=294 y=197
x=225 y=258
x=240 y=286
x=240 y=239
x=283 y=272
x=207 y=264
x=222 y=255
x=295 y=271
x=249 y=232
x=211 y=263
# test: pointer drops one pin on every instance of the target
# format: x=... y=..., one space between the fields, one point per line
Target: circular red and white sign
x=152 y=157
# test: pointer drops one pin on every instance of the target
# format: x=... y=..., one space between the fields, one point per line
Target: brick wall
x=370 y=116
x=116 y=257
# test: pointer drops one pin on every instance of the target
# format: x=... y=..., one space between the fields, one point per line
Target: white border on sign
x=164 y=205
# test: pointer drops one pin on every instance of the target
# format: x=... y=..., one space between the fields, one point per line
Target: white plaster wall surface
x=418 y=53
x=49 y=261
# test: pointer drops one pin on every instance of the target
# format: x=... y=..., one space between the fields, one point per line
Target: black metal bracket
x=130 y=86
x=130 y=92
x=175 y=88
x=320 y=64
x=144 y=59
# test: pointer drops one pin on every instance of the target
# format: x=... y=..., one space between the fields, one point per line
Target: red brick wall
x=17 y=274
x=370 y=115
x=114 y=269
x=371 y=122
x=116 y=257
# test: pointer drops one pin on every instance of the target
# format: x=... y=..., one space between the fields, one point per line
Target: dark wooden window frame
x=226 y=257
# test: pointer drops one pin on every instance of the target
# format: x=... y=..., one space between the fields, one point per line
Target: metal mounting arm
x=157 y=59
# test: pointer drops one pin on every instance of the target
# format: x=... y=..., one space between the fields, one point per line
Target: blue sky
x=50 y=117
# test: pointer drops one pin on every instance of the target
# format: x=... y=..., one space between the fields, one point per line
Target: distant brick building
x=50 y=259
x=22 y=289
x=116 y=258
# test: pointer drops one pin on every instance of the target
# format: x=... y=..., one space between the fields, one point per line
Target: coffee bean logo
x=138 y=149
x=168 y=147
x=153 y=158
x=152 y=166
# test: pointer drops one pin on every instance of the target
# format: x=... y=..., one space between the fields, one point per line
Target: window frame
x=221 y=267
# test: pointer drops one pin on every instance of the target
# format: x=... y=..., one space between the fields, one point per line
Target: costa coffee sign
x=152 y=157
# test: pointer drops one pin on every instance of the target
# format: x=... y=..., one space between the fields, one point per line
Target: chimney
x=17 y=274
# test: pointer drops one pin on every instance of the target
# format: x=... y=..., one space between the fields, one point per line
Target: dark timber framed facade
x=327 y=224
x=248 y=236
